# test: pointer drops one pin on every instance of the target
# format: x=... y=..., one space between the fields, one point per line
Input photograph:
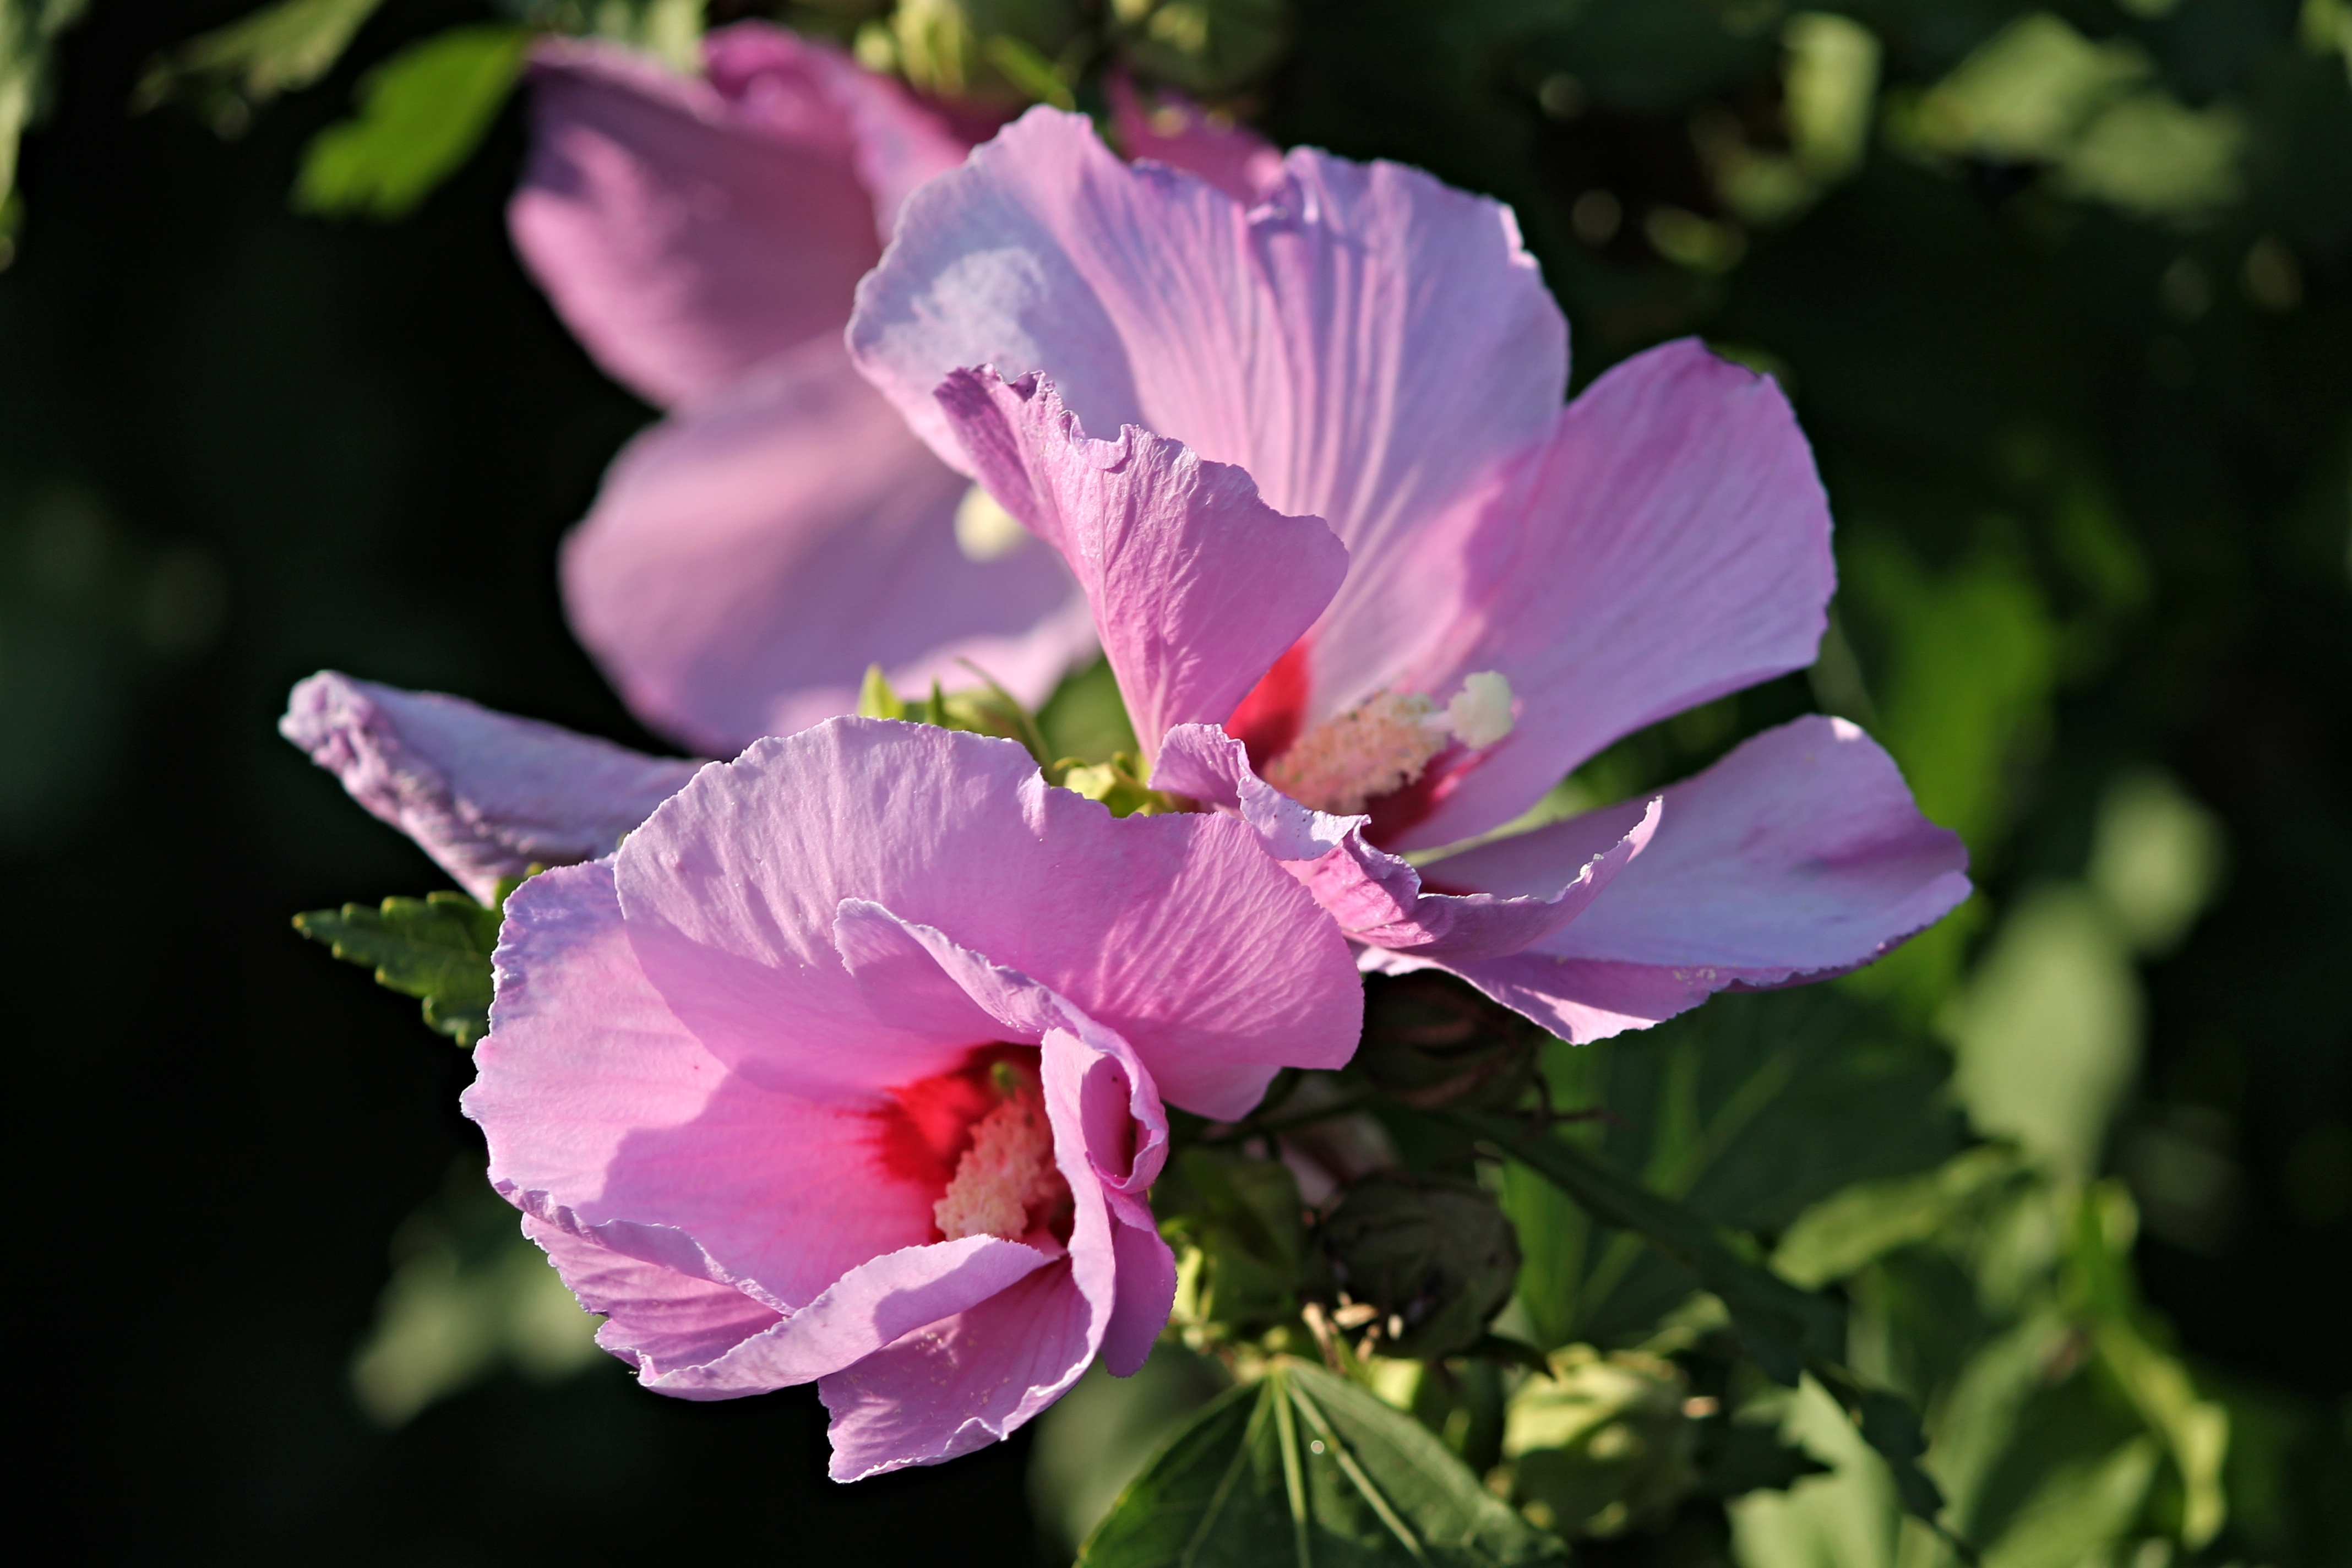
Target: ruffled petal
x=746 y=562
x=1197 y=586
x=607 y=1118
x=486 y=794
x=1800 y=854
x=1365 y=342
x=1669 y=543
x=1175 y=931
x=801 y=89
x=656 y=1318
x=1377 y=899
x=683 y=240
x=964 y=1384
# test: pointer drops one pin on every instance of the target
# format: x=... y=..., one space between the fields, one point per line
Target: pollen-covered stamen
x=1383 y=745
x=1005 y=1182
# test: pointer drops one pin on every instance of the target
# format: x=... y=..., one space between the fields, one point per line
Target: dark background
x=237 y=445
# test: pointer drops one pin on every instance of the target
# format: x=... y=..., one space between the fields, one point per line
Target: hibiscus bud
x=1207 y=46
x=1601 y=1443
x=1434 y=1258
x=1431 y=1040
x=947 y=47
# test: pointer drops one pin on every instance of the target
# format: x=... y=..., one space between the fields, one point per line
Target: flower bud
x=1207 y=46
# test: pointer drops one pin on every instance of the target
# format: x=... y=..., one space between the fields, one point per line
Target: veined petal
x=608 y=1119
x=1669 y=542
x=1365 y=342
x=747 y=559
x=801 y=89
x=1377 y=900
x=1197 y=586
x=1175 y=931
x=684 y=241
x=1800 y=854
x=656 y=1318
x=486 y=794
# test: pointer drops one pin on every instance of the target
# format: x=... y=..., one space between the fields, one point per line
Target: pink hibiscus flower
x=1505 y=584
x=750 y=555
x=848 y=1068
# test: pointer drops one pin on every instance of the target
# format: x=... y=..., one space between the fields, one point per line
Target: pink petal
x=682 y=240
x=964 y=1384
x=959 y=1385
x=747 y=561
x=656 y=1319
x=1365 y=342
x=1147 y=1293
x=1668 y=544
x=1799 y=855
x=866 y=1309
x=1197 y=586
x=1178 y=132
x=1377 y=899
x=607 y=1118
x=485 y=795
x=801 y=89
x=1175 y=931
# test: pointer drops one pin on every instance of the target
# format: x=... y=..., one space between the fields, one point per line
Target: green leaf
x=28 y=32
x=232 y=70
x=1838 y=1236
x=1748 y=1110
x=436 y=948
x=1304 y=1468
x=1780 y=1326
x=421 y=114
x=1785 y=1330
x=1237 y=1220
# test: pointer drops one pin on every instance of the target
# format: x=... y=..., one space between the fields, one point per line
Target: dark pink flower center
x=978 y=1137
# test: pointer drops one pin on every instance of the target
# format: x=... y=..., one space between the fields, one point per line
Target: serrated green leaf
x=1305 y=1467
x=436 y=949
x=421 y=114
x=233 y=69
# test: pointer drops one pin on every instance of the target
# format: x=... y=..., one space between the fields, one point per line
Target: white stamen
x=985 y=531
x=1007 y=1171
x=1384 y=744
x=1480 y=713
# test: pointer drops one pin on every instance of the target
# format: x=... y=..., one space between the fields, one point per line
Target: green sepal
x=988 y=711
x=436 y=949
x=875 y=698
x=421 y=115
x=1304 y=1468
x=1117 y=784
